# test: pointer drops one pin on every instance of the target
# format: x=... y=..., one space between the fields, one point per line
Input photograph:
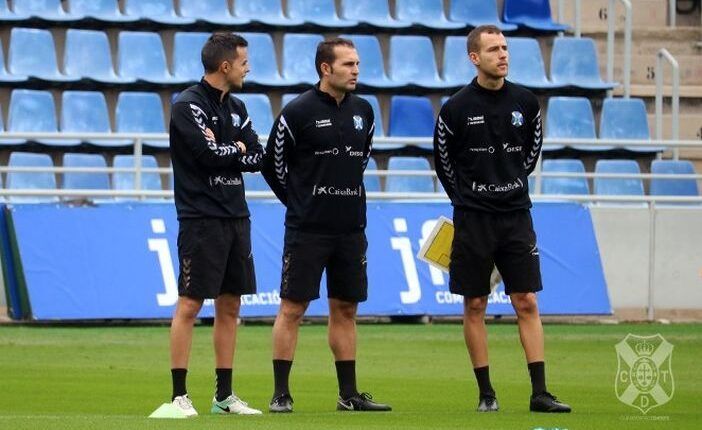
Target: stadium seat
x=3 y=141
x=4 y=75
x=457 y=67
x=574 y=62
x=626 y=119
x=31 y=180
x=571 y=118
x=87 y=55
x=377 y=113
x=533 y=14
x=86 y=112
x=187 y=63
x=259 y=109
x=32 y=53
x=104 y=11
x=371 y=182
x=210 y=12
x=140 y=112
x=141 y=57
x=526 y=65
x=556 y=185
x=425 y=13
x=6 y=15
x=158 y=11
x=85 y=181
x=396 y=183
x=45 y=10
x=371 y=12
x=372 y=69
x=127 y=181
x=476 y=13
x=35 y=111
x=673 y=187
x=411 y=116
x=318 y=12
x=253 y=181
x=298 y=57
x=412 y=61
x=263 y=62
x=615 y=186
x=267 y=12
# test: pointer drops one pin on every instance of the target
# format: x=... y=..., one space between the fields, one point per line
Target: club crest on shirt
x=236 y=120
x=358 y=122
x=517 y=118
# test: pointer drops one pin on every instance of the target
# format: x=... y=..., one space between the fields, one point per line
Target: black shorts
x=215 y=257
x=481 y=240
x=307 y=255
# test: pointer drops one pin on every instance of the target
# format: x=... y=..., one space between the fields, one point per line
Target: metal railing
x=576 y=18
x=611 y=17
x=675 y=102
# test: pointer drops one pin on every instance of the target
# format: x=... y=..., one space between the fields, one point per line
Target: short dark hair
x=325 y=52
x=220 y=47
x=473 y=44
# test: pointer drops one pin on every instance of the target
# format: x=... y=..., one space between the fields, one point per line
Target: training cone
x=167 y=410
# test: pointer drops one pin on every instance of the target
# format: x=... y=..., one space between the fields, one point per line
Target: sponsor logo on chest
x=475 y=120
x=321 y=123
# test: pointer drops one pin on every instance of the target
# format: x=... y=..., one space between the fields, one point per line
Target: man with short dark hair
x=212 y=141
x=486 y=142
x=317 y=152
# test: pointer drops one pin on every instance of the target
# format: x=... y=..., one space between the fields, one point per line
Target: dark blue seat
x=127 y=181
x=87 y=55
x=411 y=184
x=372 y=69
x=104 y=11
x=377 y=113
x=157 y=11
x=259 y=109
x=412 y=61
x=457 y=68
x=372 y=12
x=318 y=12
x=141 y=112
x=4 y=75
x=35 y=111
x=556 y=185
x=85 y=181
x=187 y=63
x=673 y=187
x=616 y=186
x=86 y=112
x=526 y=65
x=425 y=13
x=574 y=62
x=298 y=57
x=476 y=13
x=6 y=15
x=411 y=116
x=571 y=118
x=33 y=53
x=31 y=180
x=253 y=181
x=141 y=57
x=533 y=14
x=371 y=182
x=626 y=119
x=267 y=12
x=263 y=62
x=45 y=10
x=210 y=12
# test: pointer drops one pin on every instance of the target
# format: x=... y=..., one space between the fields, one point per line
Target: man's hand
x=242 y=147
x=209 y=134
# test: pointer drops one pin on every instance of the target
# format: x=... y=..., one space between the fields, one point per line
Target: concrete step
x=679 y=41
x=643 y=69
x=593 y=14
x=647 y=90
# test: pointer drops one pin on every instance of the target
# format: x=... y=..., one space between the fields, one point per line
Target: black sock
x=178 y=378
x=281 y=372
x=482 y=375
x=224 y=383
x=346 y=375
x=537 y=373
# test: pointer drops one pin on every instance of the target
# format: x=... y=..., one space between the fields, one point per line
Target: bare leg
x=182 y=324
x=342 y=329
x=531 y=332
x=286 y=327
x=225 y=325
x=474 y=330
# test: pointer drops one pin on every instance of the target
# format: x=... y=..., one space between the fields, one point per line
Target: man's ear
x=473 y=57
x=326 y=68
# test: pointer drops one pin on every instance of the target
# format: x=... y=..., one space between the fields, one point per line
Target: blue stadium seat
x=259 y=109
x=574 y=62
x=141 y=57
x=255 y=182
x=425 y=13
x=372 y=12
x=476 y=13
x=395 y=183
x=35 y=111
x=187 y=63
x=626 y=119
x=85 y=181
x=32 y=53
x=571 y=118
x=263 y=62
x=86 y=112
x=411 y=116
x=457 y=67
x=618 y=187
x=526 y=65
x=210 y=12
x=6 y=15
x=298 y=57
x=126 y=180
x=673 y=187
x=88 y=55
x=45 y=10
x=158 y=11
x=555 y=185
x=533 y=14
x=31 y=180
x=4 y=142
x=4 y=75
x=318 y=12
x=412 y=61
x=267 y=12
x=140 y=112
x=371 y=182
x=104 y=11
x=372 y=68
x=377 y=113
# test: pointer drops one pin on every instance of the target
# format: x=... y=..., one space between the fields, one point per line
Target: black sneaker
x=547 y=402
x=281 y=404
x=360 y=402
x=488 y=404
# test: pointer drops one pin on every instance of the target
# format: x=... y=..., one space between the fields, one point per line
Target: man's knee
x=188 y=307
x=524 y=303
x=228 y=306
x=475 y=306
x=292 y=312
x=340 y=309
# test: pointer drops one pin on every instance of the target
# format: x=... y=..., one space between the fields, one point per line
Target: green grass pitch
x=113 y=377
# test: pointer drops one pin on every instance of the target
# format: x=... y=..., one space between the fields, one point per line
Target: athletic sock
x=346 y=375
x=537 y=373
x=482 y=375
x=281 y=373
x=178 y=378
x=224 y=383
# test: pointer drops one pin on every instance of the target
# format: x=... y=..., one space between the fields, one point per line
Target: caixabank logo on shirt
x=331 y=190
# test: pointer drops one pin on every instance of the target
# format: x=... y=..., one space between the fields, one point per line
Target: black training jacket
x=207 y=172
x=485 y=145
x=316 y=155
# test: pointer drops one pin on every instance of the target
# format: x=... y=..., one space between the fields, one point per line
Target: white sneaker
x=233 y=405
x=185 y=405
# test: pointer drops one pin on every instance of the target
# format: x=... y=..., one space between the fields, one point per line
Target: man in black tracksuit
x=212 y=141
x=486 y=142
x=317 y=151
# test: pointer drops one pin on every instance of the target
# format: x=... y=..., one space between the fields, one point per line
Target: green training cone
x=167 y=410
